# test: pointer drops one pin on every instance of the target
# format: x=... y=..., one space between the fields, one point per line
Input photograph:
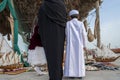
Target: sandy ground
x=90 y=75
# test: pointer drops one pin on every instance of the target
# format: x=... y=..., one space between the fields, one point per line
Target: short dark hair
x=74 y=16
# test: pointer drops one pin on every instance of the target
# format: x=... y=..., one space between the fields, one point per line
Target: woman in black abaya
x=52 y=22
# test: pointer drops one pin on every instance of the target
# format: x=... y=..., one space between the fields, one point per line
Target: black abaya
x=52 y=22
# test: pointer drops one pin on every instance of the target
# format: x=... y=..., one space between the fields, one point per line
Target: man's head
x=74 y=13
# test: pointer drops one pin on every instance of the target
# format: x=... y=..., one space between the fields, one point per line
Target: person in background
x=75 y=46
x=52 y=22
x=36 y=55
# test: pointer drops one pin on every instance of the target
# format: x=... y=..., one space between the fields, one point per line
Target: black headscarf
x=55 y=10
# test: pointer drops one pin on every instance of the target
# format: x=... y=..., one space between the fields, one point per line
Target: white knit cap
x=73 y=12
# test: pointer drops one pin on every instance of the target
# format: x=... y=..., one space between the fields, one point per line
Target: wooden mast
x=98 y=24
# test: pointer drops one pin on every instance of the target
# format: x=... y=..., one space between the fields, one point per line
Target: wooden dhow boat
x=116 y=50
x=10 y=61
x=104 y=54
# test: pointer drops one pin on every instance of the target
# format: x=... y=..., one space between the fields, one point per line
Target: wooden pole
x=10 y=19
x=98 y=25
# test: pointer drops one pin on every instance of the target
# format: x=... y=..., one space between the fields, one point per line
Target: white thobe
x=75 y=41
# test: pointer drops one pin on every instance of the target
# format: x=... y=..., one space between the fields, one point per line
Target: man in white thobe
x=75 y=45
